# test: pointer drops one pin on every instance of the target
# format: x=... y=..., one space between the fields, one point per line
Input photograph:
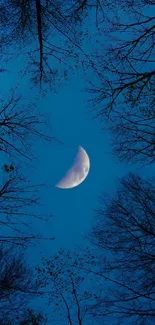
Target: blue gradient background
x=73 y=124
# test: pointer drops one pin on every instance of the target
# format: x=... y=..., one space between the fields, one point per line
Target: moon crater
x=78 y=172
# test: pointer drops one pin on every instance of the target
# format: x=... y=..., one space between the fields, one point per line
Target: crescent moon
x=78 y=172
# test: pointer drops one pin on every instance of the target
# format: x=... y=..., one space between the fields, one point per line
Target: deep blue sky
x=72 y=123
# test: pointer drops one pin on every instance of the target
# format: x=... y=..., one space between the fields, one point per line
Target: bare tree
x=20 y=126
x=68 y=288
x=124 y=233
x=78 y=11
x=19 y=200
x=123 y=93
x=37 y=24
x=18 y=285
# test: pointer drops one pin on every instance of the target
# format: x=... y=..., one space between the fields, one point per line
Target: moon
x=78 y=172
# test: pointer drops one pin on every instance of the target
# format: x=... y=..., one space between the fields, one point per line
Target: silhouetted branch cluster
x=70 y=297
x=18 y=286
x=19 y=200
x=124 y=92
x=124 y=232
x=20 y=126
x=36 y=24
x=78 y=11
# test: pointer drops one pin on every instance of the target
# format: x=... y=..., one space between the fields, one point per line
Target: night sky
x=73 y=124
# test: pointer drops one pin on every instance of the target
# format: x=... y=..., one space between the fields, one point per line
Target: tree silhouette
x=123 y=93
x=70 y=297
x=124 y=232
x=20 y=127
x=77 y=11
x=36 y=23
x=19 y=200
x=18 y=286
